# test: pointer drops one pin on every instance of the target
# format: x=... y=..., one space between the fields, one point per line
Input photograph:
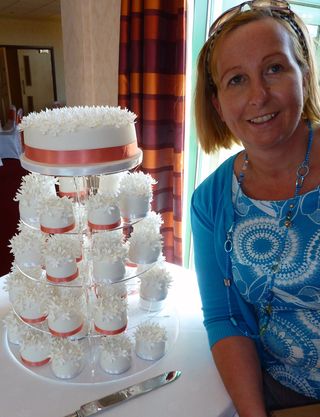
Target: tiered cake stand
x=88 y=337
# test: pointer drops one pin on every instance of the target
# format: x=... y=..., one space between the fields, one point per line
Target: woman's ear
x=216 y=104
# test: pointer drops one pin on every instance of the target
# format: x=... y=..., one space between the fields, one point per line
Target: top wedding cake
x=80 y=141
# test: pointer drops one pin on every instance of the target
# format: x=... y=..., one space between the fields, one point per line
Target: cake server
x=93 y=407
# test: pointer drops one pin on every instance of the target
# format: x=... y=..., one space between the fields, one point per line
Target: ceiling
x=30 y=9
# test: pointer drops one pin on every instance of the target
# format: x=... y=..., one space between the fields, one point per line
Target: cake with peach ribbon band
x=79 y=137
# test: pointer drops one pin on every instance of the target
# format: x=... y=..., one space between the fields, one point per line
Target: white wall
x=37 y=33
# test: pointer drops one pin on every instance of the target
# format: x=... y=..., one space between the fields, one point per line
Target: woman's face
x=260 y=84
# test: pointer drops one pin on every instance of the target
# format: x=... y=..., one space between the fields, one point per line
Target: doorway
x=36 y=82
x=31 y=77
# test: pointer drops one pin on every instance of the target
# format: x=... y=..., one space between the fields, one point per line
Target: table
x=10 y=144
x=199 y=391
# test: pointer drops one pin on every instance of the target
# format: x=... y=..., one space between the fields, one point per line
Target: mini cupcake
x=146 y=240
x=150 y=341
x=60 y=259
x=34 y=189
x=154 y=287
x=67 y=358
x=103 y=212
x=35 y=348
x=15 y=328
x=27 y=248
x=56 y=215
x=116 y=354
x=66 y=311
x=135 y=195
x=109 y=252
x=74 y=188
x=110 y=315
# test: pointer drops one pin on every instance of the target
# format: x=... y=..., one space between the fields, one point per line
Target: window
x=198 y=165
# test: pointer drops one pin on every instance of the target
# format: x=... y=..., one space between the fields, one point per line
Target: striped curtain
x=152 y=70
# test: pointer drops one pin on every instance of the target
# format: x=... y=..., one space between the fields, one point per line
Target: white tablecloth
x=10 y=144
x=197 y=393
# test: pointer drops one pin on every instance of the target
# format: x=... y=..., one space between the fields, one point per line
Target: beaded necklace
x=266 y=303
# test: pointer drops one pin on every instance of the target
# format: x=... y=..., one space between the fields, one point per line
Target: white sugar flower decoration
x=61 y=248
x=111 y=306
x=110 y=184
x=64 y=350
x=39 y=339
x=26 y=240
x=109 y=246
x=138 y=184
x=147 y=231
x=65 y=302
x=151 y=332
x=72 y=119
x=101 y=201
x=158 y=276
x=118 y=345
x=35 y=187
x=54 y=204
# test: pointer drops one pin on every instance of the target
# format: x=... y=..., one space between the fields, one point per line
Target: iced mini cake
x=80 y=136
x=33 y=191
x=56 y=215
x=115 y=354
x=110 y=314
x=28 y=297
x=27 y=247
x=135 y=195
x=109 y=252
x=15 y=327
x=154 y=287
x=151 y=341
x=60 y=259
x=66 y=308
x=146 y=240
x=103 y=212
x=67 y=357
x=72 y=187
x=35 y=348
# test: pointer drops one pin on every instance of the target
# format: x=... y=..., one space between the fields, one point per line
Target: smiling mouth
x=263 y=119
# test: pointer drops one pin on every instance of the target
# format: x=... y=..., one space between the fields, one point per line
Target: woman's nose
x=258 y=93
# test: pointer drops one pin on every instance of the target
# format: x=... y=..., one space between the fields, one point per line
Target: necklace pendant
x=288 y=223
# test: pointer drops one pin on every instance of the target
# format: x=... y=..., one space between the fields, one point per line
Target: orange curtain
x=152 y=70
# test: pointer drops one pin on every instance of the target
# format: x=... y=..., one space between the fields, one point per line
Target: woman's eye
x=275 y=68
x=237 y=79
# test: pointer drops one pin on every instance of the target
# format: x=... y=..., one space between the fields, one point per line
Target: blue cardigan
x=211 y=217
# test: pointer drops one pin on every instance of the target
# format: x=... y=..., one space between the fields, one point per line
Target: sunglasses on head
x=282 y=6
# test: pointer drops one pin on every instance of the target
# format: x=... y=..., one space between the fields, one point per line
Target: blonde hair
x=213 y=133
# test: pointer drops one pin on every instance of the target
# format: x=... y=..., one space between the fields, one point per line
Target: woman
x=256 y=219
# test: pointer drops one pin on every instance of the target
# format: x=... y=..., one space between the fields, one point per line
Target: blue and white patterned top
x=292 y=338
